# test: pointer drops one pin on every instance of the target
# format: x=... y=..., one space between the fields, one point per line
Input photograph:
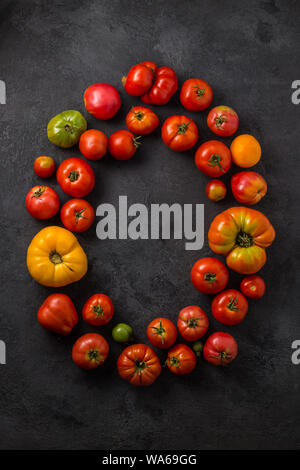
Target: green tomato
x=66 y=128
x=122 y=333
x=197 y=347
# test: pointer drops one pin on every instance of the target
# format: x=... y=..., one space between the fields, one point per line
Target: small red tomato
x=98 y=310
x=192 y=323
x=141 y=120
x=230 y=307
x=164 y=86
x=102 y=100
x=58 y=314
x=213 y=158
x=44 y=167
x=77 y=215
x=139 y=79
x=162 y=333
x=223 y=121
x=122 y=145
x=42 y=202
x=90 y=351
x=215 y=190
x=196 y=94
x=93 y=144
x=248 y=187
x=253 y=287
x=220 y=349
x=209 y=275
x=75 y=177
x=181 y=359
x=179 y=133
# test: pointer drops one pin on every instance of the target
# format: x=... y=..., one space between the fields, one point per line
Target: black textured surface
x=50 y=51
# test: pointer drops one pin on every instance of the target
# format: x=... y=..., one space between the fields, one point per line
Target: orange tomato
x=245 y=151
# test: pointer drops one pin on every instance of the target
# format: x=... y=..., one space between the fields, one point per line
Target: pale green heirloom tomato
x=122 y=333
x=66 y=128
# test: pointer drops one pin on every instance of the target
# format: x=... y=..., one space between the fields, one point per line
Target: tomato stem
x=136 y=142
x=232 y=305
x=139 y=115
x=93 y=355
x=219 y=121
x=140 y=366
x=55 y=257
x=244 y=240
x=182 y=128
x=39 y=192
x=78 y=215
x=210 y=277
x=199 y=91
x=98 y=310
x=159 y=331
x=73 y=175
x=215 y=160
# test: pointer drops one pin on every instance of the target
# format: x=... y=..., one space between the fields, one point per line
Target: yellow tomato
x=55 y=258
x=245 y=151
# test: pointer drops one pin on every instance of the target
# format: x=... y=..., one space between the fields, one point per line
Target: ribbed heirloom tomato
x=192 y=323
x=230 y=307
x=164 y=86
x=162 y=333
x=58 y=314
x=141 y=120
x=223 y=121
x=220 y=349
x=209 y=275
x=102 y=100
x=122 y=145
x=139 y=78
x=44 y=167
x=253 y=287
x=242 y=235
x=90 y=351
x=196 y=94
x=181 y=359
x=248 y=187
x=65 y=129
x=93 y=144
x=215 y=190
x=42 y=202
x=98 y=310
x=179 y=133
x=213 y=158
x=75 y=177
x=77 y=215
x=139 y=365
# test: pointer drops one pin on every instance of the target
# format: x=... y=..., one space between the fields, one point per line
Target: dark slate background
x=50 y=51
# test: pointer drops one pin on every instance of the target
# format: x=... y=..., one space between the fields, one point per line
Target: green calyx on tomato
x=182 y=128
x=78 y=215
x=65 y=129
x=210 y=277
x=220 y=120
x=159 y=331
x=139 y=115
x=93 y=355
x=140 y=366
x=244 y=240
x=39 y=192
x=199 y=91
x=191 y=322
x=215 y=160
x=73 y=175
x=232 y=305
x=55 y=257
x=136 y=142
x=98 y=310
x=174 y=361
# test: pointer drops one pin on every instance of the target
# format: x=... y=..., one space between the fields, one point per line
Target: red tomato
x=75 y=177
x=209 y=275
x=44 y=167
x=181 y=359
x=213 y=158
x=230 y=307
x=58 y=314
x=164 y=86
x=220 y=349
x=139 y=365
x=192 y=323
x=77 y=215
x=223 y=121
x=122 y=145
x=139 y=79
x=141 y=120
x=253 y=287
x=42 y=202
x=90 y=351
x=98 y=310
x=215 y=190
x=93 y=144
x=179 y=133
x=248 y=187
x=162 y=333
x=196 y=94
x=102 y=100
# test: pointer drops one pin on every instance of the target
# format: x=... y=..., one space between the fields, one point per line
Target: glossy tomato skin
x=220 y=349
x=139 y=79
x=209 y=275
x=42 y=202
x=93 y=144
x=58 y=314
x=122 y=145
x=223 y=121
x=139 y=365
x=196 y=94
x=75 y=177
x=230 y=307
x=213 y=158
x=164 y=86
x=179 y=133
x=248 y=187
x=192 y=323
x=141 y=120
x=98 y=310
x=77 y=215
x=102 y=101
x=181 y=359
x=253 y=287
x=216 y=190
x=65 y=129
x=44 y=167
x=245 y=150
x=162 y=333
x=90 y=351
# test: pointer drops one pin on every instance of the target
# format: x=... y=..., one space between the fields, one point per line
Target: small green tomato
x=122 y=333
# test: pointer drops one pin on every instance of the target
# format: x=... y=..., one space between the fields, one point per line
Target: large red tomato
x=213 y=158
x=230 y=307
x=220 y=349
x=192 y=323
x=102 y=100
x=196 y=94
x=179 y=133
x=77 y=215
x=139 y=365
x=223 y=121
x=181 y=359
x=122 y=145
x=90 y=351
x=42 y=202
x=164 y=86
x=162 y=333
x=248 y=187
x=75 y=177
x=93 y=144
x=253 y=287
x=58 y=314
x=209 y=275
x=139 y=79
x=141 y=120
x=98 y=310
